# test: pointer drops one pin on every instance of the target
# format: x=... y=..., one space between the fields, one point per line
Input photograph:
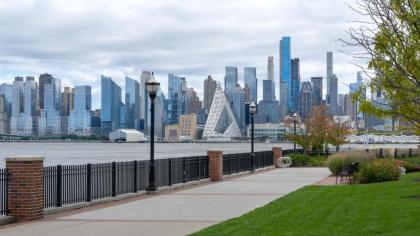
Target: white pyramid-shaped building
x=221 y=120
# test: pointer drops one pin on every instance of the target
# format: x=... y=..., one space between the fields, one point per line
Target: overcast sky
x=78 y=40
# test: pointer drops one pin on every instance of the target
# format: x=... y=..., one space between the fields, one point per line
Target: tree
x=338 y=132
x=390 y=41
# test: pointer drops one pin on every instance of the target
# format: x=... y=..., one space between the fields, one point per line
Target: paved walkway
x=177 y=212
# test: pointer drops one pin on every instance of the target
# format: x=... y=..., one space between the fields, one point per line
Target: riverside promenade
x=174 y=212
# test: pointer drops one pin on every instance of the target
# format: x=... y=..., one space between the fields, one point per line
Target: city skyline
x=43 y=49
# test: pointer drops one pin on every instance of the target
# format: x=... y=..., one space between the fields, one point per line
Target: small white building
x=127 y=135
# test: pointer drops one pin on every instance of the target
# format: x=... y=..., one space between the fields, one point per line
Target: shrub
x=337 y=161
x=305 y=160
x=378 y=170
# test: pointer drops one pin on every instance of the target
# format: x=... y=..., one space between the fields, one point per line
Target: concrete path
x=178 y=212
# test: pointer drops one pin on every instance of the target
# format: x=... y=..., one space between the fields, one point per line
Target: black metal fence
x=64 y=185
x=238 y=162
x=4 y=177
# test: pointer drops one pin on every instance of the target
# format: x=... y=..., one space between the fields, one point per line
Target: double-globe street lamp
x=253 y=111
x=295 y=118
x=152 y=87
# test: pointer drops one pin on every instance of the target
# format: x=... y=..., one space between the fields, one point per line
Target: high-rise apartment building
x=306 y=96
x=270 y=68
x=209 y=88
x=317 y=88
x=329 y=74
x=81 y=120
x=237 y=103
x=3 y=116
x=176 y=98
x=250 y=79
x=334 y=95
x=295 y=84
x=110 y=104
x=268 y=90
x=67 y=101
x=231 y=78
x=283 y=99
x=285 y=71
x=43 y=80
x=193 y=102
x=132 y=103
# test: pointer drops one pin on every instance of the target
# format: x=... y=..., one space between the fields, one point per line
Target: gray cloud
x=77 y=40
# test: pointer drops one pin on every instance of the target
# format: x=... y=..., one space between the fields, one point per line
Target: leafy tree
x=390 y=41
x=338 y=132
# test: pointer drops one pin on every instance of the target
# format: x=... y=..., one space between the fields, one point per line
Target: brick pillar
x=277 y=154
x=215 y=164
x=26 y=187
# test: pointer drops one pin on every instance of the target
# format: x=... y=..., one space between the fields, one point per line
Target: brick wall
x=215 y=165
x=277 y=154
x=26 y=190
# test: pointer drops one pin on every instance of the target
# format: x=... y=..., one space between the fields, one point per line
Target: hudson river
x=67 y=153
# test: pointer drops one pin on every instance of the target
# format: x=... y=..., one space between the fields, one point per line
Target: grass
x=387 y=208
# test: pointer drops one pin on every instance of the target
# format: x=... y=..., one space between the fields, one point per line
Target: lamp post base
x=151 y=189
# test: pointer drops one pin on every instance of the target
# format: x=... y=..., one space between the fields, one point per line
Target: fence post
x=277 y=154
x=89 y=182
x=25 y=187
x=409 y=152
x=395 y=152
x=170 y=171
x=134 y=176
x=184 y=178
x=237 y=162
x=114 y=179
x=59 y=202
x=381 y=153
x=199 y=169
x=215 y=164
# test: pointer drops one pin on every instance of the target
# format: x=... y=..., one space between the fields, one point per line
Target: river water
x=68 y=153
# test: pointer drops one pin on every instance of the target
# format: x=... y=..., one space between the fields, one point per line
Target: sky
x=78 y=40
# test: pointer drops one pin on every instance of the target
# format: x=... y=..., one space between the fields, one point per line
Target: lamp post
x=295 y=118
x=253 y=111
x=152 y=87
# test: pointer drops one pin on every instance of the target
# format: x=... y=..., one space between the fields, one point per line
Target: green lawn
x=388 y=208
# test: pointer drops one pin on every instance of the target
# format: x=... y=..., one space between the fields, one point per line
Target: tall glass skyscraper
x=285 y=70
x=80 y=120
x=231 y=78
x=317 y=88
x=110 y=104
x=237 y=103
x=132 y=102
x=250 y=78
x=329 y=74
x=176 y=98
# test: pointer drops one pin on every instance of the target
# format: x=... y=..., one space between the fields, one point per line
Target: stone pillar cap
x=25 y=158
x=214 y=150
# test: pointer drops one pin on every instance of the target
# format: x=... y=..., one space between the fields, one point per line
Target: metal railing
x=69 y=184
x=238 y=162
x=4 y=178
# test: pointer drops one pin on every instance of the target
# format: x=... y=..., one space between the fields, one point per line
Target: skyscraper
x=81 y=120
x=3 y=116
x=268 y=90
x=329 y=74
x=285 y=71
x=193 y=102
x=44 y=79
x=176 y=98
x=237 y=103
x=209 y=88
x=283 y=99
x=295 y=85
x=132 y=103
x=270 y=68
x=317 y=87
x=334 y=95
x=306 y=96
x=67 y=101
x=250 y=78
x=231 y=78
x=110 y=104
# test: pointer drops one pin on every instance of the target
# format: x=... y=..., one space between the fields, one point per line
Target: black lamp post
x=253 y=111
x=295 y=118
x=152 y=87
